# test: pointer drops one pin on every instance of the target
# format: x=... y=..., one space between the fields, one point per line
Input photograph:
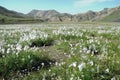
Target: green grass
x=73 y=51
x=23 y=63
x=15 y=20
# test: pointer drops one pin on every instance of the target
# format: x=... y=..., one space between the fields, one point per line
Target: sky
x=63 y=6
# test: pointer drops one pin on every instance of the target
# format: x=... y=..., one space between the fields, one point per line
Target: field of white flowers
x=60 y=51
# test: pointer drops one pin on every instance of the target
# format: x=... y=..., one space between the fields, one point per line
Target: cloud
x=82 y=3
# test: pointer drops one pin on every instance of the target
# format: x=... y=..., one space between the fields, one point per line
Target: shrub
x=23 y=62
x=41 y=42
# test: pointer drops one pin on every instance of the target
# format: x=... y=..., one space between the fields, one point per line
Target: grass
x=17 y=20
x=80 y=52
x=23 y=63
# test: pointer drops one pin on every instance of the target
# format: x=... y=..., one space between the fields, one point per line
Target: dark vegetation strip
x=24 y=62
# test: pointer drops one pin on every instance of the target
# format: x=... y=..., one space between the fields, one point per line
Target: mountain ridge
x=88 y=16
x=107 y=14
x=6 y=12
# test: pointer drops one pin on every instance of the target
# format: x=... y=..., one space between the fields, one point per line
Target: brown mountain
x=107 y=14
x=88 y=16
x=112 y=14
x=50 y=15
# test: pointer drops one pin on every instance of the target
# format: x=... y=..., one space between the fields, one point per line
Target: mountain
x=43 y=13
x=88 y=16
x=9 y=13
x=8 y=16
x=50 y=15
x=112 y=14
x=106 y=15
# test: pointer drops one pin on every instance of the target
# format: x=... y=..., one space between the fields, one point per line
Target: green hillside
x=14 y=20
x=115 y=16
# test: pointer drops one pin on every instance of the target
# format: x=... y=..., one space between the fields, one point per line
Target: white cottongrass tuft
x=91 y=63
x=113 y=78
x=8 y=50
x=74 y=64
x=18 y=47
x=107 y=70
x=81 y=66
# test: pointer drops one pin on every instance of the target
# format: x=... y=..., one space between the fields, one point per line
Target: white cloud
x=82 y=3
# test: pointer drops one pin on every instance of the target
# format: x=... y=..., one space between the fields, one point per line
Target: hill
x=9 y=13
x=106 y=15
x=113 y=16
x=50 y=15
x=8 y=16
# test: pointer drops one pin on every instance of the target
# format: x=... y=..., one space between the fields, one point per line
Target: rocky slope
x=50 y=15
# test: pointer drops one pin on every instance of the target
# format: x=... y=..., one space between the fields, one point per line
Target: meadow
x=60 y=51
